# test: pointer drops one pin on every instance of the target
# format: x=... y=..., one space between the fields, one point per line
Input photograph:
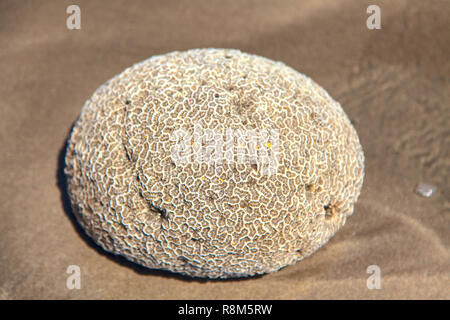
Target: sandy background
x=393 y=83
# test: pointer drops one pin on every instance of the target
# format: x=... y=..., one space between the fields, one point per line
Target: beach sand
x=393 y=83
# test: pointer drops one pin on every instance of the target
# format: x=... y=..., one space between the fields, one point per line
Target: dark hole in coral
x=161 y=211
x=243 y=204
x=216 y=95
x=127 y=102
x=183 y=259
x=329 y=211
x=187 y=263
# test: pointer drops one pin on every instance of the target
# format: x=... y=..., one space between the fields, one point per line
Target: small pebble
x=425 y=189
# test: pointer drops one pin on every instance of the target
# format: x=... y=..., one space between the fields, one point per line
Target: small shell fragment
x=425 y=190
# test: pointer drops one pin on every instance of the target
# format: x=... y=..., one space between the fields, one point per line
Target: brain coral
x=215 y=219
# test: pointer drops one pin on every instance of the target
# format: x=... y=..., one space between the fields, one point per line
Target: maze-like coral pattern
x=222 y=220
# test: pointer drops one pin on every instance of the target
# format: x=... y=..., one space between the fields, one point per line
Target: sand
x=393 y=83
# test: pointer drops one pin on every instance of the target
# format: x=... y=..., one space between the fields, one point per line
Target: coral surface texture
x=242 y=207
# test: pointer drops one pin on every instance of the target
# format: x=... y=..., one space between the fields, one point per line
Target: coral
x=228 y=219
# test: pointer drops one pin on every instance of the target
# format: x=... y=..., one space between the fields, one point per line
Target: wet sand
x=393 y=83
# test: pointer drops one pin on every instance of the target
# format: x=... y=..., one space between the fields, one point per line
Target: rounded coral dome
x=213 y=163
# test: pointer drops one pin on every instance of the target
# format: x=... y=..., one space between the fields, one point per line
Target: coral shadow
x=66 y=204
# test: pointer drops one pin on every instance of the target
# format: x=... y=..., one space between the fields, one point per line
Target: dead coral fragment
x=230 y=219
